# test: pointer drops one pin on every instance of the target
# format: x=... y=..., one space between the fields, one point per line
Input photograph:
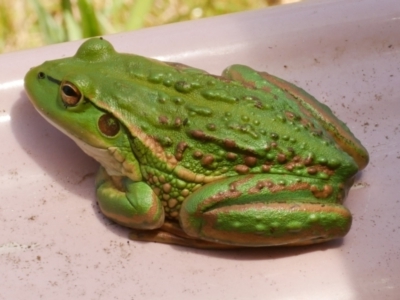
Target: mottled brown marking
x=281 y=158
x=290 y=166
x=316 y=111
x=324 y=193
x=207 y=160
x=324 y=169
x=163 y=120
x=296 y=159
x=231 y=156
x=229 y=144
x=259 y=186
x=197 y=154
x=180 y=149
x=308 y=160
x=198 y=134
x=231 y=193
x=265 y=168
x=178 y=122
x=234 y=185
x=242 y=169
x=312 y=170
x=250 y=161
x=274 y=188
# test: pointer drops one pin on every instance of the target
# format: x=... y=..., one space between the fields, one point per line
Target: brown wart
x=281 y=158
x=319 y=168
x=274 y=188
x=228 y=144
x=242 y=169
x=163 y=120
x=207 y=160
x=326 y=191
x=231 y=193
x=231 y=156
x=250 y=161
x=180 y=149
x=178 y=122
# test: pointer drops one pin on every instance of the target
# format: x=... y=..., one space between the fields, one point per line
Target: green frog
x=244 y=159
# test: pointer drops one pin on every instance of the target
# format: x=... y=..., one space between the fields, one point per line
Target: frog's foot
x=265 y=210
x=129 y=203
x=171 y=233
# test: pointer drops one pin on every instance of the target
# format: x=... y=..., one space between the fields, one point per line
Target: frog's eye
x=108 y=125
x=70 y=94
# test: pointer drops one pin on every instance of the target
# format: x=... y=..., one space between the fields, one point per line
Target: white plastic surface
x=54 y=244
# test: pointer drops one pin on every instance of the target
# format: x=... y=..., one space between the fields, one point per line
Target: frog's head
x=60 y=90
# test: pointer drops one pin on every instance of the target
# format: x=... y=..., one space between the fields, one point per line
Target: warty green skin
x=245 y=159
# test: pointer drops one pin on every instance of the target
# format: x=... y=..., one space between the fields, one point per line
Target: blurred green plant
x=36 y=22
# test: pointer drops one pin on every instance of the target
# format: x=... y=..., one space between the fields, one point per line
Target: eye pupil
x=70 y=94
x=69 y=91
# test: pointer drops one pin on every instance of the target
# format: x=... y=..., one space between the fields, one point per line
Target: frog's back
x=216 y=126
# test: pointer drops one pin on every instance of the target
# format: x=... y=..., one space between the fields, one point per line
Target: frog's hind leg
x=171 y=233
x=266 y=210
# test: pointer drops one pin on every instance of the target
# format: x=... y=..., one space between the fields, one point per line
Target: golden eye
x=70 y=94
x=108 y=125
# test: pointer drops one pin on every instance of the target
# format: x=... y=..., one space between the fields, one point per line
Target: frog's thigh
x=132 y=204
x=258 y=210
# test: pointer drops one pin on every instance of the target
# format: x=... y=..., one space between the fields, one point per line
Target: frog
x=244 y=159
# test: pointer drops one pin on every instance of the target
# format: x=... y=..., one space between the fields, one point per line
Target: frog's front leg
x=266 y=210
x=129 y=203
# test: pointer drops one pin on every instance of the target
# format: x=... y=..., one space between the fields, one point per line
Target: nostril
x=41 y=75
